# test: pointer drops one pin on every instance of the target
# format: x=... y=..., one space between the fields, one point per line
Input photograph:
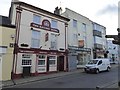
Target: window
x=26 y=62
x=53 y=42
x=3 y=49
x=100 y=62
x=41 y=62
x=84 y=26
x=36 y=19
x=41 y=59
x=75 y=23
x=52 y=60
x=35 y=43
x=75 y=39
x=26 y=59
x=54 y=24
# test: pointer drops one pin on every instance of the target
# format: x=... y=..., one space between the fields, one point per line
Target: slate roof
x=5 y=21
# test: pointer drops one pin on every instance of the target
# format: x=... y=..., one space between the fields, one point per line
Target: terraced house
x=7 y=38
x=40 y=45
x=80 y=39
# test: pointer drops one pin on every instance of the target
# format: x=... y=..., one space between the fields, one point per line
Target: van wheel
x=97 y=71
x=108 y=69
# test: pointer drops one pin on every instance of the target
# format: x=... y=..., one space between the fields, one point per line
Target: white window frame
x=36 y=19
x=53 y=41
x=28 y=59
x=54 y=24
x=74 y=23
x=44 y=59
x=84 y=26
x=52 y=59
x=34 y=39
x=75 y=39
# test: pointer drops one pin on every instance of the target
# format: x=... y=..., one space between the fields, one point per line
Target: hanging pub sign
x=46 y=25
x=46 y=37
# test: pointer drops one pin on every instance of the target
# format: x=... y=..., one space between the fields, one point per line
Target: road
x=77 y=80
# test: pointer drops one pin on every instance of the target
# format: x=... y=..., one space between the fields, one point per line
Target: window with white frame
x=26 y=59
x=53 y=24
x=84 y=26
x=41 y=59
x=74 y=23
x=75 y=39
x=36 y=19
x=53 y=41
x=52 y=60
x=35 y=42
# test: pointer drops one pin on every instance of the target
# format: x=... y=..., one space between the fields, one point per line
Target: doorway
x=48 y=63
x=26 y=71
x=61 y=63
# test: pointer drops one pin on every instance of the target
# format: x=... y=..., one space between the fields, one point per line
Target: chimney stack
x=58 y=11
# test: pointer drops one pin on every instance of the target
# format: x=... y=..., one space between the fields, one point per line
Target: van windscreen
x=92 y=61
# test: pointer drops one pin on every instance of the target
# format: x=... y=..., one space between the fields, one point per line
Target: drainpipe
x=17 y=24
x=66 y=51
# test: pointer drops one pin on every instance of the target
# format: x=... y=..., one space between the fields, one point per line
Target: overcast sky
x=104 y=12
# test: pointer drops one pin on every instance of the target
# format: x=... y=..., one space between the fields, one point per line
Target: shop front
x=79 y=56
x=34 y=62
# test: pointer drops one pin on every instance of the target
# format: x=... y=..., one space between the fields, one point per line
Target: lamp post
x=115 y=41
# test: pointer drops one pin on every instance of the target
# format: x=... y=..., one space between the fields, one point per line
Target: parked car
x=97 y=65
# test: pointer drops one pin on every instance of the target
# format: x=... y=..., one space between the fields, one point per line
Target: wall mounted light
x=12 y=36
x=40 y=47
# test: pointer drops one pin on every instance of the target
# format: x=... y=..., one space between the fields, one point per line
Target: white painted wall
x=79 y=30
x=25 y=29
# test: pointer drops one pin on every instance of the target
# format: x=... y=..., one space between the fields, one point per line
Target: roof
x=40 y=10
x=5 y=21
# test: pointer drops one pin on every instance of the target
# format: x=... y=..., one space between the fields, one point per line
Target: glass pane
x=36 y=19
x=52 y=62
x=54 y=24
x=35 y=34
x=74 y=23
x=35 y=43
x=41 y=62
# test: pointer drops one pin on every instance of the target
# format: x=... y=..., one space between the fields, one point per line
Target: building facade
x=100 y=42
x=7 y=36
x=80 y=39
x=40 y=45
x=113 y=49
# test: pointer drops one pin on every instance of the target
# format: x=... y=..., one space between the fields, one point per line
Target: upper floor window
x=36 y=19
x=84 y=26
x=54 y=24
x=75 y=39
x=35 y=42
x=75 y=23
x=53 y=42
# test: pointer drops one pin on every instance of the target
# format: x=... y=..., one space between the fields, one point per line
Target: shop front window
x=41 y=59
x=26 y=60
x=52 y=60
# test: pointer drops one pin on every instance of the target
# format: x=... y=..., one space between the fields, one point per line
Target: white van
x=97 y=65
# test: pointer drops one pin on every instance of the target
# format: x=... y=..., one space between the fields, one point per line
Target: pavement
x=8 y=83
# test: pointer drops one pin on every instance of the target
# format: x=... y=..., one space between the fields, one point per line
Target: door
x=61 y=63
x=48 y=65
x=26 y=71
x=100 y=65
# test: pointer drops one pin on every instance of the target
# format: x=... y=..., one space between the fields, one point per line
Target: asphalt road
x=77 y=80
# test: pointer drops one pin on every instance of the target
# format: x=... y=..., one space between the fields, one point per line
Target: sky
x=103 y=12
